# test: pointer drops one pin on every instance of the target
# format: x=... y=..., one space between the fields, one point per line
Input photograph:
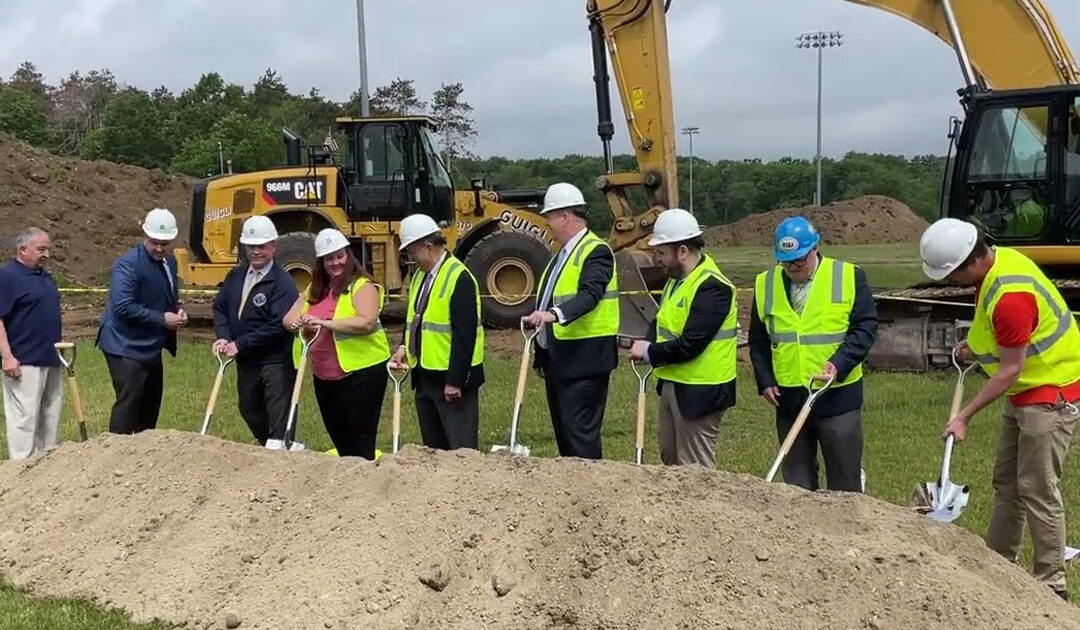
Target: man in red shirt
x=1027 y=341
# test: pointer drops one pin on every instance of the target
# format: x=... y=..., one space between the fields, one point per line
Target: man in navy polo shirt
x=29 y=326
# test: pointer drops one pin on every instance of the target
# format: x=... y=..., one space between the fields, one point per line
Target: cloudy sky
x=735 y=70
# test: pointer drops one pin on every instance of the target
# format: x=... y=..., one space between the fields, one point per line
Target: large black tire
x=296 y=254
x=507 y=266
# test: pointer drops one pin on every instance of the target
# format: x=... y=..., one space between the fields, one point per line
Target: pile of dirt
x=866 y=219
x=91 y=209
x=213 y=534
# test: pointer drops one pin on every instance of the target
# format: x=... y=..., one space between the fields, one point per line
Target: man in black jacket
x=248 y=313
x=695 y=359
x=813 y=315
x=443 y=340
x=577 y=308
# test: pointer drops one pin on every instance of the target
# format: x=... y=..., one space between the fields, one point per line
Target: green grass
x=887 y=266
x=22 y=612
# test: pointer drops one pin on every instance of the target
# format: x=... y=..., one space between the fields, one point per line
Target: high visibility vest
x=716 y=364
x=354 y=352
x=1053 y=354
x=802 y=344
x=602 y=321
x=435 y=328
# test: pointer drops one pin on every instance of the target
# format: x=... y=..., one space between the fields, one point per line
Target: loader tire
x=296 y=255
x=507 y=266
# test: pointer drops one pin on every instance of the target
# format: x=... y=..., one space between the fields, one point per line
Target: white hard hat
x=258 y=230
x=674 y=226
x=328 y=241
x=946 y=244
x=160 y=224
x=415 y=227
x=562 y=195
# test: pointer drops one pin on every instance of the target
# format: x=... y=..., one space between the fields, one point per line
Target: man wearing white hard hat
x=691 y=344
x=1028 y=343
x=577 y=311
x=141 y=318
x=443 y=339
x=248 y=313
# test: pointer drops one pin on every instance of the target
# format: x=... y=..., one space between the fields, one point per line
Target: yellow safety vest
x=716 y=364
x=602 y=321
x=354 y=352
x=435 y=344
x=802 y=344
x=1053 y=354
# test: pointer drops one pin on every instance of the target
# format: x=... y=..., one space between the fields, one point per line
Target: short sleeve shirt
x=30 y=310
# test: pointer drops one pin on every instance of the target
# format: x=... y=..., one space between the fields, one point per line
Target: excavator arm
x=1011 y=44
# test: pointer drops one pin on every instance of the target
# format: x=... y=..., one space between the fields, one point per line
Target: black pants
x=264 y=392
x=138 y=393
x=350 y=409
x=447 y=425
x=577 y=413
x=841 y=443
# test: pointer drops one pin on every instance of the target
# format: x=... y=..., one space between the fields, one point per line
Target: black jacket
x=259 y=334
x=463 y=322
x=710 y=307
x=861 y=334
x=582 y=358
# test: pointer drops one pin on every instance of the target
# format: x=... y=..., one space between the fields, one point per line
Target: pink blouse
x=322 y=354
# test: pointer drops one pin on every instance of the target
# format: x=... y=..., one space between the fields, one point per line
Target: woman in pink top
x=348 y=358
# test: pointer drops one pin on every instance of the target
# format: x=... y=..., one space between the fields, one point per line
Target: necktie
x=421 y=304
x=168 y=274
x=545 y=301
x=249 y=281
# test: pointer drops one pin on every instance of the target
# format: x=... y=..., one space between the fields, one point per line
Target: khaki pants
x=32 y=406
x=1031 y=453
x=685 y=442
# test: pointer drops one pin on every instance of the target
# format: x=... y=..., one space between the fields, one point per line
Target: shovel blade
x=518 y=449
x=944 y=503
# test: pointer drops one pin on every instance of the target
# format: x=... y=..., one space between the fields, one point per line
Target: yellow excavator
x=1015 y=171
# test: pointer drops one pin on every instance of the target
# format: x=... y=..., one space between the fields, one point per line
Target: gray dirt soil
x=201 y=531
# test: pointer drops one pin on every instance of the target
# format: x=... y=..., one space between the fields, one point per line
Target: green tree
x=131 y=132
x=397 y=99
x=20 y=117
x=457 y=128
x=251 y=144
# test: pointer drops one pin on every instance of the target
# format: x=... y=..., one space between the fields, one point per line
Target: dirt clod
x=435 y=576
x=232 y=620
x=677 y=549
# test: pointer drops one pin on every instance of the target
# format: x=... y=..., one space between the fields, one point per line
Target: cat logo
x=290 y=190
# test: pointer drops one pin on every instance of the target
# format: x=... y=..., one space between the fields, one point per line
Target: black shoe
x=1062 y=593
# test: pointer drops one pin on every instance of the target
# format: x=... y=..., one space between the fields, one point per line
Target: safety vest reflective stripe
x=717 y=363
x=1064 y=318
x=436 y=327
x=354 y=352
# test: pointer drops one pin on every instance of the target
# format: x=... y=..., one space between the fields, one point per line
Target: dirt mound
x=195 y=529
x=91 y=210
x=867 y=219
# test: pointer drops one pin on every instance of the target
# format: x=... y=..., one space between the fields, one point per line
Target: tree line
x=93 y=116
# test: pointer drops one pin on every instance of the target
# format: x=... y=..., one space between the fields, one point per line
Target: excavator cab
x=1017 y=171
x=393 y=169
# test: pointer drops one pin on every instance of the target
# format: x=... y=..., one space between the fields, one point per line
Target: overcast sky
x=736 y=72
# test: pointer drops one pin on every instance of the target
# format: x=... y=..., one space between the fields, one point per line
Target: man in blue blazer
x=140 y=320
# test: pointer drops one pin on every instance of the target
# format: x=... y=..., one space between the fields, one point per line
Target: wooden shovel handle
x=76 y=398
x=639 y=440
x=214 y=393
x=957 y=398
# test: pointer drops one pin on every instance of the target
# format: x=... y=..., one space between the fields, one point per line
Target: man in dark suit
x=577 y=308
x=248 y=314
x=140 y=320
x=443 y=339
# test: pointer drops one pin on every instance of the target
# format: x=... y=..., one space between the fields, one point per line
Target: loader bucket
x=637 y=276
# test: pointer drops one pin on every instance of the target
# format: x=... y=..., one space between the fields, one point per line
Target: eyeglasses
x=798 y=262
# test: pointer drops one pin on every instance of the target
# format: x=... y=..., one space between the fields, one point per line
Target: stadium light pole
x=365 y=108
x=820 y=40
x=691 y=131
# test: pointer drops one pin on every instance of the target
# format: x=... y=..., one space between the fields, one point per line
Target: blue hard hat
x=795 y=237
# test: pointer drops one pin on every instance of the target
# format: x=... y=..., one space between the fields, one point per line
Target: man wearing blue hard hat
x=813 y=315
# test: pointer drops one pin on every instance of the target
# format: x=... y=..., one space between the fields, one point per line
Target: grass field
x=888 y=265
x=903 y=417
